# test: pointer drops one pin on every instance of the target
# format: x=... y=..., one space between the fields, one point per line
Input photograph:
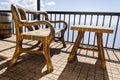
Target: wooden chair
x=43 y=36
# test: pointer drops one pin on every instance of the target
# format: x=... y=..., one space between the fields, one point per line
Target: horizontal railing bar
x=75 y=12
x=85 y=13
x=5 y=10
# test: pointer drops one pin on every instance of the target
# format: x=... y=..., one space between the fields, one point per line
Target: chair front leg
x=16 y=53
x=15 y=57
x=47 y=56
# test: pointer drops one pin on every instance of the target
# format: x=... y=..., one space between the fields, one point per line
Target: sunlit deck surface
x=32 y=66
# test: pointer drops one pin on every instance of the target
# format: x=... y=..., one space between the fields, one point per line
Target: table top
x=99 y=29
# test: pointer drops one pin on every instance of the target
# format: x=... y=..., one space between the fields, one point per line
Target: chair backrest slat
x=22 y=14
x=19 y=14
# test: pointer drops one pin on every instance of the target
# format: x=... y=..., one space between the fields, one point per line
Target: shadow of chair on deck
x=2 y=58
x=29 y=66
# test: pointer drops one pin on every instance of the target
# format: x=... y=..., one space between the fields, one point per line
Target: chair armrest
x=36 y=22
x=61 y=21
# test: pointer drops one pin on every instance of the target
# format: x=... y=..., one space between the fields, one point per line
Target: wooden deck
x=32 y=66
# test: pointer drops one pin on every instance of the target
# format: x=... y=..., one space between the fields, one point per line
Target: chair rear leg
x=47 y=56
x=63 y=42
x=62 y=38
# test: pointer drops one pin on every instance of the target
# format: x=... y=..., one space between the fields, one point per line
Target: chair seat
x=38 y=34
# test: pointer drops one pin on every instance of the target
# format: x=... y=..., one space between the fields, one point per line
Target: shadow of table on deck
x=77 y=70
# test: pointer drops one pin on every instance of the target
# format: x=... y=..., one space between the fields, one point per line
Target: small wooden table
x=99 y=31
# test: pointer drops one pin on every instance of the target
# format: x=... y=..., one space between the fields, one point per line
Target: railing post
x=38 y=7
x=38 y=4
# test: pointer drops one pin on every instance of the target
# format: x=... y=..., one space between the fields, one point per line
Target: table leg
x=101 y=50
x=76 y=45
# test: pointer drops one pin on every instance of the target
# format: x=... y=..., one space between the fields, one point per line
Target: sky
x=66 y=5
